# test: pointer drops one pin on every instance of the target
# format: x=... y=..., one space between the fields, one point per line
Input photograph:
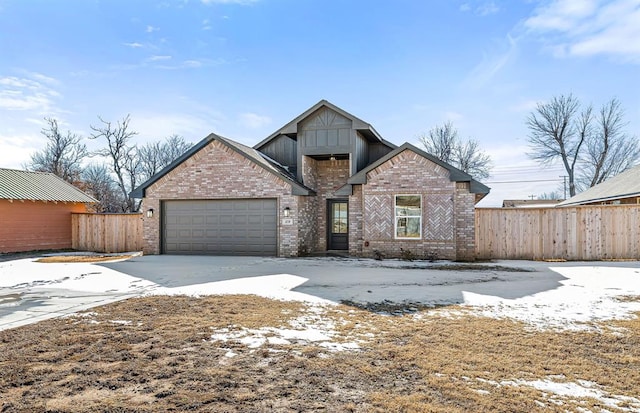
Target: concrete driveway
x=31 y=291
x=358 y=280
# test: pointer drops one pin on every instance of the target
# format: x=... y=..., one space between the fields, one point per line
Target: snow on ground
x=588 y=294
x=559 y=392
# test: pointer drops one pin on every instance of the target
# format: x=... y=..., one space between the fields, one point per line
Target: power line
x=520 y=182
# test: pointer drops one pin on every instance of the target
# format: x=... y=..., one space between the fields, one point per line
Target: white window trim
x=395 y=217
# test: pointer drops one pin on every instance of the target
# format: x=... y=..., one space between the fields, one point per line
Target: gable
x=325 y=118
x=409 y=171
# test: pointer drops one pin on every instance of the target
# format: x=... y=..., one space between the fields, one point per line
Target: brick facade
x=447 y=210
x=219 y=172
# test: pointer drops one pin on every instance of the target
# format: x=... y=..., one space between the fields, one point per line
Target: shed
x=35 y=210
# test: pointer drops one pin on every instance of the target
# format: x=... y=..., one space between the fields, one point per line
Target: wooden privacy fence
x=106 y=232
x=571 y=233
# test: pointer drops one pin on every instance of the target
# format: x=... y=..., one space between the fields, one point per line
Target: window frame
x=396 y=217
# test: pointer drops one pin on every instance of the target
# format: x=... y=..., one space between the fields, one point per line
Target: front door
x=337 y=225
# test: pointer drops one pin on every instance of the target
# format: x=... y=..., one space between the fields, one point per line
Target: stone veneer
x=219 y=172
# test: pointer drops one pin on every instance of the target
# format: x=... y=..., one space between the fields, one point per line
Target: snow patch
x=310 y=327
x=587 y=295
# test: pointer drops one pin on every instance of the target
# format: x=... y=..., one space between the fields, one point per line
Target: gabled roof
x=358 y=124
x=38 y=186
x=623 y=185
x=247 y=152
x=455 y=174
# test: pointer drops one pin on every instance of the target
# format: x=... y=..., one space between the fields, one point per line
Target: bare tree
x=554 y=134
x=554 y=195
x=63 y=154
x=609 y=149
x=121 y=155
x=98 y=182
x=443 y=143
x=590 y=147
x=154 y=156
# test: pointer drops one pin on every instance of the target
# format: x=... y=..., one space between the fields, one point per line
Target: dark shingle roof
x=623 y=185
x=38 y=186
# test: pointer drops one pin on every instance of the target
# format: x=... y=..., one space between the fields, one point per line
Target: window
x=408 y=216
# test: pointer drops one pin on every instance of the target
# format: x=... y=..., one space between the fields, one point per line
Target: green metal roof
x=38 y=186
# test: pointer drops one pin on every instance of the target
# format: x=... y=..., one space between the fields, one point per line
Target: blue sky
x=243 y=68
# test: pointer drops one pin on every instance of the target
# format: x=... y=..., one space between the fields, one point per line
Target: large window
x=408 y=217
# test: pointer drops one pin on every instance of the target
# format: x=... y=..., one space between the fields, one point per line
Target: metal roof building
x=623 y=188
x=38 y=186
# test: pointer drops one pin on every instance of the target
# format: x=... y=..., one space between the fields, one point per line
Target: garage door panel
x=233 y=227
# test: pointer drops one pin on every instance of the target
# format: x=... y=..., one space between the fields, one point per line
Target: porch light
x=287 y=212
x=150 y=213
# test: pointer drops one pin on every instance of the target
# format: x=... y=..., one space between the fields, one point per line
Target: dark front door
x=338 y=225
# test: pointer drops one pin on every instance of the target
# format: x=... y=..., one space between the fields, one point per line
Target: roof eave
x=601 y=199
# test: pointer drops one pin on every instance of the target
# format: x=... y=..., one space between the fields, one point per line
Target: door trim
x=330 y=203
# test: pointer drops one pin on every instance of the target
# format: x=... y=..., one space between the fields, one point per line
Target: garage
x=220 y=227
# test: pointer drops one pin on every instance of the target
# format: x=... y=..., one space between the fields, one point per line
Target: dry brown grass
x=164 y=360
x=82 y=258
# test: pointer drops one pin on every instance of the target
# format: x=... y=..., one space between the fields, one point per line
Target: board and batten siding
x=107 y=232
x=569 y=233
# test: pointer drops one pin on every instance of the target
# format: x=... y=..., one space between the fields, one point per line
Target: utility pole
x=564 y=177
x=532 y=196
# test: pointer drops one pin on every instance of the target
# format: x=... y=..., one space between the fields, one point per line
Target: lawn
x=243 y=353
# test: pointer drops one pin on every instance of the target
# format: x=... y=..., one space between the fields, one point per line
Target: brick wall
x=356 y=221
x=447 y=209
x=465 y=223
x=331 y=176
x=219 y=172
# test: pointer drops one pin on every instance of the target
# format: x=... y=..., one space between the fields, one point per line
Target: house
x=623 y=188
x=530 y=203
x=325 y=181
x=35 y=210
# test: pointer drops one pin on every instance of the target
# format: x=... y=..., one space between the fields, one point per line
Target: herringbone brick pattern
x=379 y=212
x=438 y=225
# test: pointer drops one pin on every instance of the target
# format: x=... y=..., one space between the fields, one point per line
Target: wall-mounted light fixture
x=150 y=213
x=287 y=212
x=332 y=158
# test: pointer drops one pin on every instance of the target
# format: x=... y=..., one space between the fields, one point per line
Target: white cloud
x=254 y=121
x=589 y=28
x=16 y=149
x=28 y=94
x=206 y=24
x=491 y=64
x=159 y=58
x=134 y=45
x=487 y=9
x=193 y=64
x=151 y=29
